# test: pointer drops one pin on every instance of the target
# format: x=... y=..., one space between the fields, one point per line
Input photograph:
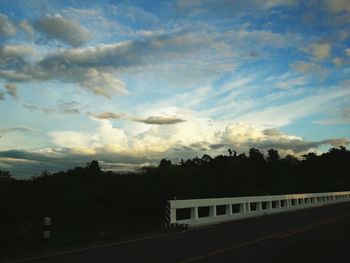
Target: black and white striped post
x=167 y=215
x=47 y=230
x=170 y=217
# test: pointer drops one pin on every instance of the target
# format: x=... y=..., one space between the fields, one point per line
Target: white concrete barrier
x=199 y=212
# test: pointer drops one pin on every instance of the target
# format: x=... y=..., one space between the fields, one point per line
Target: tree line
x=87 y=201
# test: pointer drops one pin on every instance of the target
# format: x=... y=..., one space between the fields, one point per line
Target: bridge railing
x=199 y=212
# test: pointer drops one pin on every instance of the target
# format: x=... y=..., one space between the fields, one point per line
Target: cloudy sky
x=131 y=82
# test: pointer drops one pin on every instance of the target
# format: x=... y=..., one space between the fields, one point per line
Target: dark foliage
x=100 y=203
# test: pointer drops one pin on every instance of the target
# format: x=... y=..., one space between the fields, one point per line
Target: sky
x=128 y=83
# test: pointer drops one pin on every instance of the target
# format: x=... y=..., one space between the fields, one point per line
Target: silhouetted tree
x=272 y=155
x=291 y=159
x=82 y=202
x=310 y=156
x=164 y=163
x=206 y=158
x=255 y=155
x=93 y=167
x=5 y=175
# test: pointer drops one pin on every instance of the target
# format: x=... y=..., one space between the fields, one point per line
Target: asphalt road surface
x=319 y=234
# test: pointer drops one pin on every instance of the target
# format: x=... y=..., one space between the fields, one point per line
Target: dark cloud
x=337 y=142
x=272 y=132
x=346 y=113
x=24 y=164
x=17 y=129
x=254 y=54
x=198 y=145
x=30 y=107
x=296 y=145
x=160 y=120
x=110 y=116
x=59 y=28
x=70 y=107
x=11 y=89
x=217 y=146
x=96 y=68
x=125 y=54
x=272 y=138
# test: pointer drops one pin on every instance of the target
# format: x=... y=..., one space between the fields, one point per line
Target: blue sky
x=131 y=82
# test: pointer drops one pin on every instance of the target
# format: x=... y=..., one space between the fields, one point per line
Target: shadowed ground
x=313 y=235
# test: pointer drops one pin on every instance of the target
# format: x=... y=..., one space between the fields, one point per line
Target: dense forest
x=87 y=203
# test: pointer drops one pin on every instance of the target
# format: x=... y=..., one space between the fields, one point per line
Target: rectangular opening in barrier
x=294 y=202
x=203 y=211
x=319 y=199
x=236 y=208
x=274 y=204
x=263 y=205
x=300 y=201
x=283 y=203
x=253 y=207
x=183 y=213
x=306 y=200
x=220 y=210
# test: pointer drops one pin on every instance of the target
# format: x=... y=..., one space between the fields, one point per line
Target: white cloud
x=319 y=51
x=292 y=83
x=337 y=6
x=193 y=138
x=72 y=139
x=106 y=135
x=6 y=28
x=102 y=83
x=185 y=140
x=281 y=115
x=228 y=7
x=308 y=67
x=337 y=61
x=26 y=27
x=342 y=118
x=14 y=54
x=347 y=51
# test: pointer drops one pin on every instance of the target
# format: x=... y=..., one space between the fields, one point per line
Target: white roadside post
x=47 y=230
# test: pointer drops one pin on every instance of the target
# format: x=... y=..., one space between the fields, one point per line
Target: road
x=319 y=234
